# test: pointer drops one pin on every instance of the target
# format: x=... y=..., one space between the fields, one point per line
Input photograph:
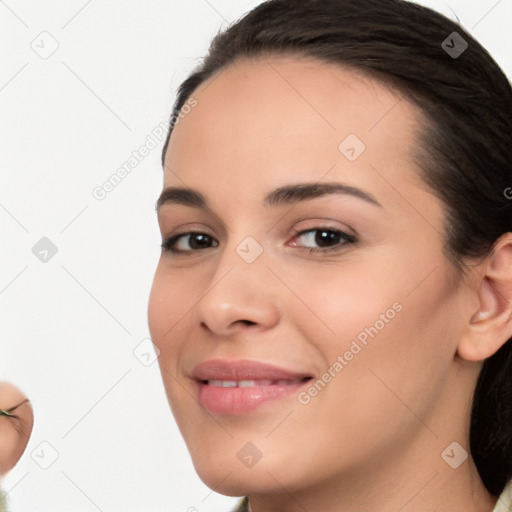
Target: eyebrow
x=281 y=196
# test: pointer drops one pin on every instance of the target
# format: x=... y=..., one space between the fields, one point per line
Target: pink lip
x=241 y=400
x=242 y=369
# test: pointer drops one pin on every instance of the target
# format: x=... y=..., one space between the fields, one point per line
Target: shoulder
x=3 y=501
x=504 y=503
x=242 y=505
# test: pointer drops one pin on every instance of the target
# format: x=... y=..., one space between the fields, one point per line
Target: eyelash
x=168 y=245
x=8 y=413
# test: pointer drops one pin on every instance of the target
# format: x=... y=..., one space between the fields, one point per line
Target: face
x=15 y=428
x=345 y=290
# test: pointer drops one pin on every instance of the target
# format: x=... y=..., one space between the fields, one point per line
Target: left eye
x=325 y=239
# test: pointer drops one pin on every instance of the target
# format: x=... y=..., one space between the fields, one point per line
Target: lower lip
x=234 y=401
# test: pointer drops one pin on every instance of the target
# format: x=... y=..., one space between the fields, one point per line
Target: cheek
x=386 y=319
x=172 y=297
x=159 y=305
x=14 y=435
x=339 y=301
x=398 y=352
x=9 y=439
x=170 y=312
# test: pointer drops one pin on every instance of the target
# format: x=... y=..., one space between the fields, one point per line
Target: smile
x=239 y=386
x=253 y=383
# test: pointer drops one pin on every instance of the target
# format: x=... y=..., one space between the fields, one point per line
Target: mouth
x=230 y=387
x=253 y=383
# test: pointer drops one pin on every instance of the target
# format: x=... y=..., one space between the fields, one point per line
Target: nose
x=239 y=296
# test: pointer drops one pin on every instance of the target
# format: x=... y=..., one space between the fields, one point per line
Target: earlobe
x=490 y=326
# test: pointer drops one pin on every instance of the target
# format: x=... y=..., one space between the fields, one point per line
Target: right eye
x=188 y=242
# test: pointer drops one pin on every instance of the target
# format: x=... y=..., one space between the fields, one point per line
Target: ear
x=490 y=325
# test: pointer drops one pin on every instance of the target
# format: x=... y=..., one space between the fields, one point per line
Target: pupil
x=199 y=241
x=324 y=238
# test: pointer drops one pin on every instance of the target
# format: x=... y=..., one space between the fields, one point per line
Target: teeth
x=246 y=383
x=250 y=383
x=223 y=383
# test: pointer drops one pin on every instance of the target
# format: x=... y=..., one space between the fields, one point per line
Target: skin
x=14 y=430
x=372 y=438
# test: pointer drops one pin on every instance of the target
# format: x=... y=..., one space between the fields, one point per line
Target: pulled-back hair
x=465 y=146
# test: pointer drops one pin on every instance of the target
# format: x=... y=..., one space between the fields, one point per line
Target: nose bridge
x=243 y=254
x=240 y=271
x=239 y=290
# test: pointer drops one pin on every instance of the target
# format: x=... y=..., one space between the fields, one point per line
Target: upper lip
x=242 y=369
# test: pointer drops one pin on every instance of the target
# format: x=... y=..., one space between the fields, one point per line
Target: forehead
x=268 y=120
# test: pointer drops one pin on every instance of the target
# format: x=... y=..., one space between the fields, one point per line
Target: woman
x=333 y=300
x=16 y=422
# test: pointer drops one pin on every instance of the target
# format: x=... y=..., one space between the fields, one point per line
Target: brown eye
x=326 y=239
x=188 y=242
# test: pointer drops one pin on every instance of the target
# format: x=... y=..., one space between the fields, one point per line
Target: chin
x=237 y=483
x=222 y=471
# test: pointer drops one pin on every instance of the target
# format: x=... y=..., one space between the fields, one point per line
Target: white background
x=69 y=326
